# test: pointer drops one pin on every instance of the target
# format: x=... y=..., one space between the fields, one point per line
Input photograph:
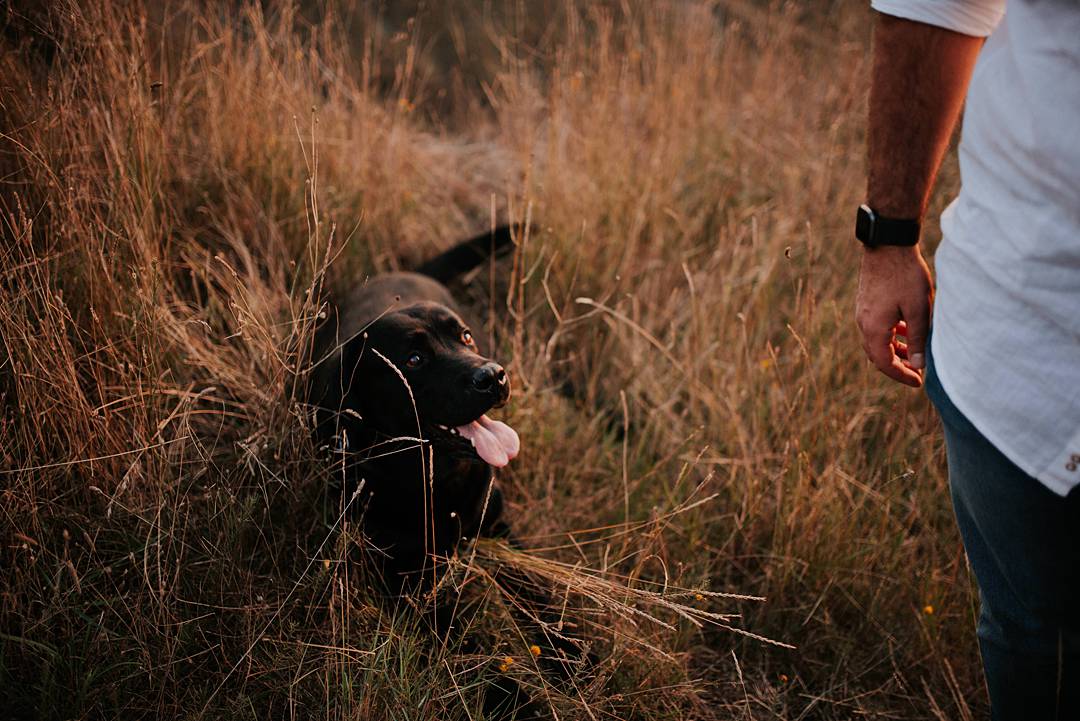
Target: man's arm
x=919 y=80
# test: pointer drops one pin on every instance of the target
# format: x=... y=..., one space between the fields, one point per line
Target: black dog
x=401 y=389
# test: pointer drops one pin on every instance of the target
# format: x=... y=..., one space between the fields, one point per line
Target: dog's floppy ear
x=329 y=378
x=374 y=393
x=339 y=395
x=470 y=253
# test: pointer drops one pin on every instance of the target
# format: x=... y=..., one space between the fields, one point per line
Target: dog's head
x=419 y=369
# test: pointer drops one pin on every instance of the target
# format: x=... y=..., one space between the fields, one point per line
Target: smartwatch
x=874 y=230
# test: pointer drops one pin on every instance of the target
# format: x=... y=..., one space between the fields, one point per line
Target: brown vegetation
x=184 y=186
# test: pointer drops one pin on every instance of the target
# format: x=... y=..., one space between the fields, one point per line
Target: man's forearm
x=920 y=78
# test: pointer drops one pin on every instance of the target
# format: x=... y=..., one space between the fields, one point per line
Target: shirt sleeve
x=970 y=17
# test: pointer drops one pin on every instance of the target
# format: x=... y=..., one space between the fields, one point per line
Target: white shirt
x=1006 y=340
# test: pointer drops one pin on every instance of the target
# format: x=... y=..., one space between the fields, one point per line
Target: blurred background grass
x=186 y=184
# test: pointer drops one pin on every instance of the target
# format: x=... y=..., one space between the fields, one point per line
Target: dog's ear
x=375 y=392
x=328 y=386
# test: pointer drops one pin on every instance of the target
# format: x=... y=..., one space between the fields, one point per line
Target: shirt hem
x=1039 y=474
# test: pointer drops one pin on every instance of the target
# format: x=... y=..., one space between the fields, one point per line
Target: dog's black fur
x=396 y=366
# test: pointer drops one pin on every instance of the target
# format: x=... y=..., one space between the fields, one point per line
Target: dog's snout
x=488 y=376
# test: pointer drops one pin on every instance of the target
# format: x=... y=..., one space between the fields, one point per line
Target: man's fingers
x=898 y=371
x=879 y=348
x=901 y=372
x=895 y=368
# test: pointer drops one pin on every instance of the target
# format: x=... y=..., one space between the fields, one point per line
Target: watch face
x=864 y=224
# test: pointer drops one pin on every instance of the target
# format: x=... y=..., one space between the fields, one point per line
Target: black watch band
x=874 y=230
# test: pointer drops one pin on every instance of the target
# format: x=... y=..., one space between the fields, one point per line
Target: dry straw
x=186 y=185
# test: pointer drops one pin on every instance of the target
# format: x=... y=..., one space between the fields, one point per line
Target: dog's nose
x=488 y=376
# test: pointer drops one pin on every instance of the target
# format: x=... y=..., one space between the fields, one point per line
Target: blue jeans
x=1023 y=543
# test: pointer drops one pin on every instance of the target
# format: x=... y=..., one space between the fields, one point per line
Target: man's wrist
x=897 y=252
x=897 y=208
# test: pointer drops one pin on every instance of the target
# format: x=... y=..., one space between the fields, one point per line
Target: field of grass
x=185 y=186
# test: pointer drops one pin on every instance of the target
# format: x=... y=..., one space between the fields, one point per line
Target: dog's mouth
x=494 y=441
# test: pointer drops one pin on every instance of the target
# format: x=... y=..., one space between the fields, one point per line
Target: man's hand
x=894 y=299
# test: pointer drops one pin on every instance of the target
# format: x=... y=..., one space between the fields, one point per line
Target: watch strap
x=875 y=230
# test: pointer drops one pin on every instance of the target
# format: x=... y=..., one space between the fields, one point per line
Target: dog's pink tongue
x=494 y=441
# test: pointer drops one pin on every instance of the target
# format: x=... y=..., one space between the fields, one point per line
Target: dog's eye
x=414 y=360
x=466 y=337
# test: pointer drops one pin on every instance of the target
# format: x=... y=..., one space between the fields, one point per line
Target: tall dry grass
x=185 y=186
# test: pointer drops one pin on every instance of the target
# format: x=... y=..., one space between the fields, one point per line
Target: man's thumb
x=917 y=327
